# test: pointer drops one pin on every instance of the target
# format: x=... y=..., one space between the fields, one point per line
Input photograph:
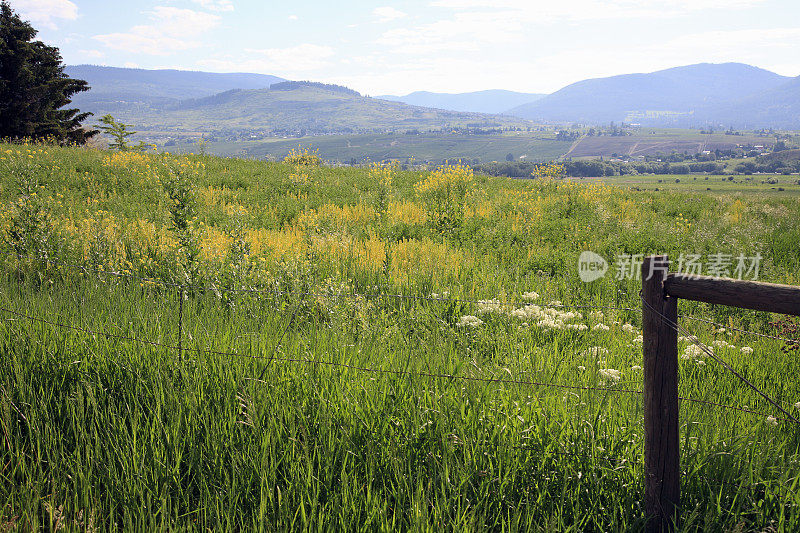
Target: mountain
x=666 y=97
x=492 y=101
x=290 y=108
x=115 y=90
x=778 y=107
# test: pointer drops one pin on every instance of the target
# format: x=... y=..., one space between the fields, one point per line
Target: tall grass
x=248 y=428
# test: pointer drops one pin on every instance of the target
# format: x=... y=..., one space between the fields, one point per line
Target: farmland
x=758 y=185
x=399 y=146
x=370 y=348
x=652 y=141
x=474 y=147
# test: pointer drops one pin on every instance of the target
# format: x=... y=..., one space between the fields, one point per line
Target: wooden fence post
x=660 y=350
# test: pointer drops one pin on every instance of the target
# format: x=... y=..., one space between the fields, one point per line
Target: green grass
x=119 y=435
x=424 y=147
x=748 y=186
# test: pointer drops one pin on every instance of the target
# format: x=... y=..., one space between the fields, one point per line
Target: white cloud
x=93 y=54
x=387 y=14
x=548 y=11
x=215 y=5
x=290 y=62
x=44 y=12
x=172 y=30
x=468 y=31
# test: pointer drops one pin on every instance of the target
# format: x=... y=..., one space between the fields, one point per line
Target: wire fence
x=274 y=357
x=180 y=349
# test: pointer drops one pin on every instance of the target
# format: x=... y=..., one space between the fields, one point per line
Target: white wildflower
x=518 y=313
x=596 y=315
x=469 y=320
x=771 y=420
x=722 y=344
x=577 y=327
x=611 y=374
x=638 y=340
x=582 y=368
x=490 y=306
x=636 y=368
x=797 y=405
x=595 y=351
x=530 y=296
x=693 y=352
x=549 y=323
x=555 y=303
x=600 y=327
x=747 y=350
x=629 y=328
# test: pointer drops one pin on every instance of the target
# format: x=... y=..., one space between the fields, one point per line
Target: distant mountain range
x=282 y=108
x=776 y=107
x=701 y=95
x=492 y=101
x=695 y=95
x=120 y=90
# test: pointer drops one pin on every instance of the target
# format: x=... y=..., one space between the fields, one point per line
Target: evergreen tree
x=34 y=88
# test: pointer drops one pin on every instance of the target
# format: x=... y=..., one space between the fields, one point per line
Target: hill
x=491 y=101
x=292 y=108
x=125 y=90
x=777 y=107
x=784 y=156
x=666 y=97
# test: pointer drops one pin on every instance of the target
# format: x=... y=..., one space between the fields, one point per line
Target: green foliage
x=118 y=131
x=30 y=231
x=178 y=183
x=34 y=89
x=445 y=193
x=107 y=432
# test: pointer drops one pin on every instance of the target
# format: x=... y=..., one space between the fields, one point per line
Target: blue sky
x=389 y=47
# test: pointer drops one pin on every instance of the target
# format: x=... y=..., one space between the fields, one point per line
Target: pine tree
x=34 y=89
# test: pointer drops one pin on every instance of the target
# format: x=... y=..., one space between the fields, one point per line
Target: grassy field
x=312 y=405
x=755 y=185
x=435 y=147
x=653 y=141
x=398 y=146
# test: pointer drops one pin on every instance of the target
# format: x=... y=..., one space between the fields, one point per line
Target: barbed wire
x=431 y=375
x=740 y=330
x=278 y=292
x=437 y=298
x=317 y=361
x=708 y=351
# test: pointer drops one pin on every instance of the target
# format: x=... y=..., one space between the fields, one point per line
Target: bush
x=444 y=192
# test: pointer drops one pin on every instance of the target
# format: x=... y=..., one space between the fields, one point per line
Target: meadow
x=430 y=146
x=758 y=185
x=368 y=349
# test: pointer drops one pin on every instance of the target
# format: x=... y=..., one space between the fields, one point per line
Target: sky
x=385 y=47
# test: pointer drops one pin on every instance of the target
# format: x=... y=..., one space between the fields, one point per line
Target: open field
x=306 y=396
x=422 y=147
x=652 y=141
x=484 y=148
x=700 y=184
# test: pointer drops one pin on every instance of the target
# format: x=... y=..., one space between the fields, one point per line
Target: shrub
x=445 y=192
